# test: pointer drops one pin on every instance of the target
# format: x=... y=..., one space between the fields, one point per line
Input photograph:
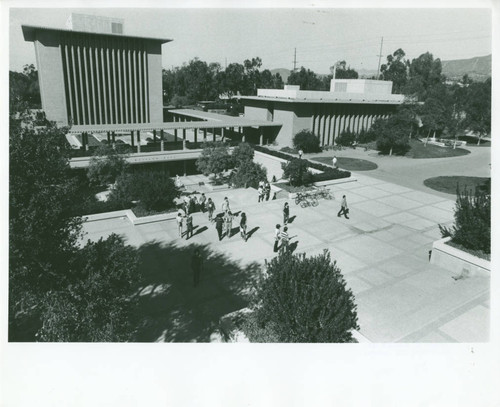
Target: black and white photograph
x=297 y=189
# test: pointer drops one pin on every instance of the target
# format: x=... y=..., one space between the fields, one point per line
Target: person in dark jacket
x=286 y=213
x=344 y=210
x=243 y=226
x=219 y=222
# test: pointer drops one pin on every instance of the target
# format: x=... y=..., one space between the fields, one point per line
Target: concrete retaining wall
x=456 y=260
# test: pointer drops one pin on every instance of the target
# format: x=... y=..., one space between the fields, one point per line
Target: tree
x=248 y=174
x=306 y=140
x=241 y=153
x=297 y=172
x=395 y=70
x=477 y=108
x=98 y=305
x=393 y=133
x=424 y=73
x=342 y=71
x=214 y=159
x=306 y=300
x=306 y=79
x=24 y=90
x=105 y=166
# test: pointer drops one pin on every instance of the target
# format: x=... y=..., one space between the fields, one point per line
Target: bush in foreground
x=472 y=228
x=105 y=166
x=306 y=300
x=305 y=140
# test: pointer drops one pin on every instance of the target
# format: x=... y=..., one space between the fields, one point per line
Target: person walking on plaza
x=286 y=213
x=225 y=205
x=218 y=225
x=243 y=226
x=203 y=200
x=189 y=226
x=196 y=266
x=260 y=190
x=285 y=239
x=344 y=210
x=334 y=161
x=210 y=209
x=179 y=218
x=277 y=234
x=267 y=190
x=228 y=223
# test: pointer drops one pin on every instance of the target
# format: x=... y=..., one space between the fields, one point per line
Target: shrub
x=346 y=139
x=331 y=173
x=248 y=174
x=366 y=136
x=105 y=166
x=241 y=153
x=306 y=300
x=296 y=171
x=154 y=190
x=305 y=140
x=289 y=150
x=472 y=228
x=214 y=159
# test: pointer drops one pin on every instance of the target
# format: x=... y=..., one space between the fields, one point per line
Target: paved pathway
x=382 y=251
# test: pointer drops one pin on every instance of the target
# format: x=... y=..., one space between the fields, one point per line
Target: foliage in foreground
x=306 y=141
x=59 y=291
x=243 y=152
x=306 y=300
x=98 y=304
x=472 y=228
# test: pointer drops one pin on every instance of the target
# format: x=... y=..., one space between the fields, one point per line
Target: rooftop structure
x=97 y=24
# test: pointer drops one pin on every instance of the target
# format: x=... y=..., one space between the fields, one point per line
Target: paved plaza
x=382 y=250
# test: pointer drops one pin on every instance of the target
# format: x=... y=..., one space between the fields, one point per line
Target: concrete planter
x=453 y=259
x=131 y=217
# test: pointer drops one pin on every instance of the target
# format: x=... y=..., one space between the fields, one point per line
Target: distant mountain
x=285 y=73
x=478 y=68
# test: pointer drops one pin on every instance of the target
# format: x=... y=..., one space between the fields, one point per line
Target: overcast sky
x=321 y=36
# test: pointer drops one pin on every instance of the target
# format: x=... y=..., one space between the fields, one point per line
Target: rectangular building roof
x=29 y=33
x=345 y=99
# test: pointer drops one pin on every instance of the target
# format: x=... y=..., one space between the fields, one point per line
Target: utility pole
x=295 y=60
x=380 y=56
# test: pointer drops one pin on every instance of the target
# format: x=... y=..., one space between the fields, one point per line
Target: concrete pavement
x=382 y=250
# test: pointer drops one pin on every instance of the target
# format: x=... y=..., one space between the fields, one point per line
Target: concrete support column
x=138 y=141
x=162 y=141
x=132 y=139
x=261 y=138
x=154 y=136
x=222 y=133
x=175 y=135
x=184 y=139
x=113 y=135
x=108 y=136
x=213 y=133
x=185 y=172
x=204 y=135
x=195 y=135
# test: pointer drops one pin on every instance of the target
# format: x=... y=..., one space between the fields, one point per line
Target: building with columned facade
x=89 y=77
x=351 y=104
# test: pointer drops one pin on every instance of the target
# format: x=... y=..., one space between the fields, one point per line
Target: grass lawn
x=350 y=164
x=420 y=150
x=473 y=141
x=448 y=184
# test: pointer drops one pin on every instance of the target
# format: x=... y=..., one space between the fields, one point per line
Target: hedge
x=329 y=173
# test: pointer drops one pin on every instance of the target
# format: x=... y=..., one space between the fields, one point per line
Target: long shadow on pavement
x=171 y=309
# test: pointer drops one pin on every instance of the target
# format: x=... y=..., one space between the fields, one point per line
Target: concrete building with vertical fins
x=89 y=77
x=351 y=104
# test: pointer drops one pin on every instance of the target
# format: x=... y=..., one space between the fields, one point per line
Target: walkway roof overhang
x=30 y=30
x=209 y=124
x=380 y=101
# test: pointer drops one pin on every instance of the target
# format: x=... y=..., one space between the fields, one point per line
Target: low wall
x=452 y=259
x=131 y=217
